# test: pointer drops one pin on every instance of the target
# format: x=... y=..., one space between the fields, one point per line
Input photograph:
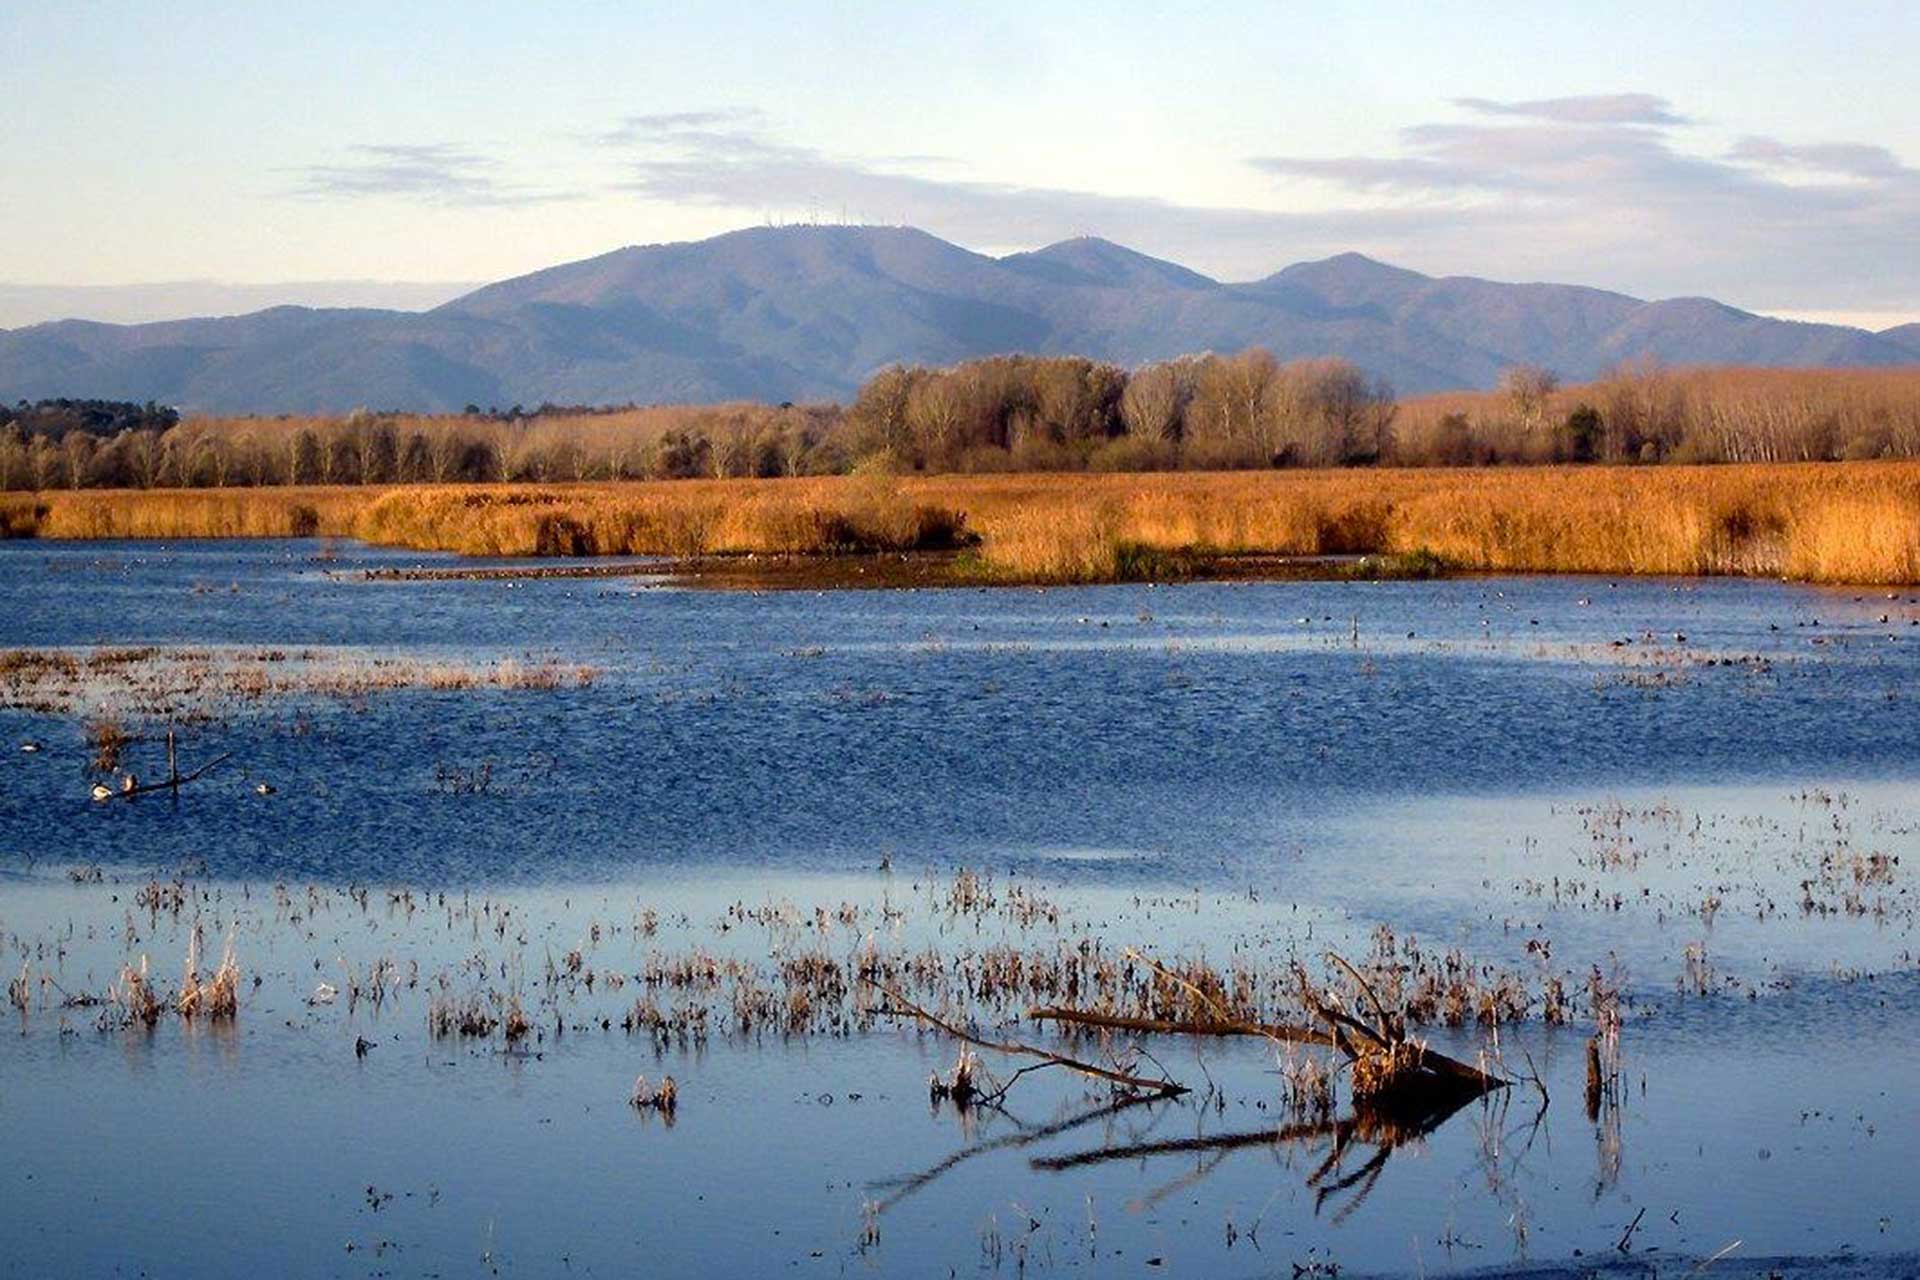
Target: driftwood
x=1163 y=1026
x=1389 y=1039
x=1395 y=1064
x=175 y=779
x=900 y=1006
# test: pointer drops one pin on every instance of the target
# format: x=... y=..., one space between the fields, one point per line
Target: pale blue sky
x=1766 y=154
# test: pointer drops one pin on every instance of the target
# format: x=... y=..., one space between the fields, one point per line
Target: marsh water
x=1705 y=789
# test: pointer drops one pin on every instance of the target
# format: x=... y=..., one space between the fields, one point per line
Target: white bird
x=29 y=747
x=129 y=784
x=265 y=788
x=101 y=791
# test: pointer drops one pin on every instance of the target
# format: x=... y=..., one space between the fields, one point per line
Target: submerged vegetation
x=181 y=684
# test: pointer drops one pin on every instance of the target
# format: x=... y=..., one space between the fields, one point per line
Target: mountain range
x=808 y=312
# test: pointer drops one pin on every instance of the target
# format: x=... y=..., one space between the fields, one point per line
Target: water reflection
x=1380 y=1130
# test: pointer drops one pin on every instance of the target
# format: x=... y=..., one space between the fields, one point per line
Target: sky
x=1764 y=154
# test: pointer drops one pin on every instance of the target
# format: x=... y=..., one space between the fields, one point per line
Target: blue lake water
x=1621 y=769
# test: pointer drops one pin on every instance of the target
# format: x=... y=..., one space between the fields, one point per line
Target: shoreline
x=905 y=571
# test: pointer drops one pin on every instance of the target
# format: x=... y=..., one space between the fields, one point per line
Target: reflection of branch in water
x=1366 y=1175
x=1502 y=1161
x=1199 y=1173
x=1386 y=1133
x=906 y=1185
x=1607 y=1149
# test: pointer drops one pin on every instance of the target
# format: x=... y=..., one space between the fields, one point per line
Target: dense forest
x=1009 y=413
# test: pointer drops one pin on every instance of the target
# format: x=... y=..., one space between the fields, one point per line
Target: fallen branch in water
x=175 y=779
x=903 y=1007
x=1385 y=1062
x=180 y=781
x=1165 y=1026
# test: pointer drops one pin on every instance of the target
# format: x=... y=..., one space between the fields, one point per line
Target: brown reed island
x=1850 y=522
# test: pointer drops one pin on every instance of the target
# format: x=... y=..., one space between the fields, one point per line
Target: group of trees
x=1643 y=412
x=370 y=448
x=55 y=418
x=1047 y=413
x=1002 y=414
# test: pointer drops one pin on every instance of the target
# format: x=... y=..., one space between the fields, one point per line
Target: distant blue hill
x=803 y=313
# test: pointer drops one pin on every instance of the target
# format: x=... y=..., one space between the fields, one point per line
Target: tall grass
x=182 y=513
x=1820 y=522
x=1852 y=522
x=684 y=518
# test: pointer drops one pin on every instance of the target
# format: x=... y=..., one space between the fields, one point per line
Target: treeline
x=1000 y=414
x=1026 y=413
x=364 y=448
x=1009 y=413
x=1643 y=412
x=55 y=418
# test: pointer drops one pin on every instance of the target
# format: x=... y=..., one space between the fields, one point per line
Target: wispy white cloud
x=1595 y=189
x=1611 y=189
x=741 y=164
x=654 y=125
x=436 y=172
x=1576 y=188
x=1841 y=159
x=1606 y=108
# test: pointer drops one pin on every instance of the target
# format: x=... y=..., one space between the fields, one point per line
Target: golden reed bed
x=1839 y=522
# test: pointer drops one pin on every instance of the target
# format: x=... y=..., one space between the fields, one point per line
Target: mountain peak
x=1349 y=272
x=1090 y=260
x=1904 y=336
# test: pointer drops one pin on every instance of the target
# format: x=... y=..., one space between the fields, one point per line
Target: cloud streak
x=1602 y=109
x=1578 y=187
x=737 y=164
x=1598 y=189
x=1608 y=189
x=435 y=173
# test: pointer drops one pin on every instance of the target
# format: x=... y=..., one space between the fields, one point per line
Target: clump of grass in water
x=1603 y=1047
x=515 y=1024
x=108 y=738
x=136 y=996
x=663 y=1098
x=218 y=995
x=1306 y=1087
x=960 y=1085
x=471 y=1018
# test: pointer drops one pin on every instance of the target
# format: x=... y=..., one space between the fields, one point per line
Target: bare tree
x=1155 y=401
x=1528 y=388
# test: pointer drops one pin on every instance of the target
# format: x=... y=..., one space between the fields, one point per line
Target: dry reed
x=215 y=996
x=1820 y=522
x=136 y=997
